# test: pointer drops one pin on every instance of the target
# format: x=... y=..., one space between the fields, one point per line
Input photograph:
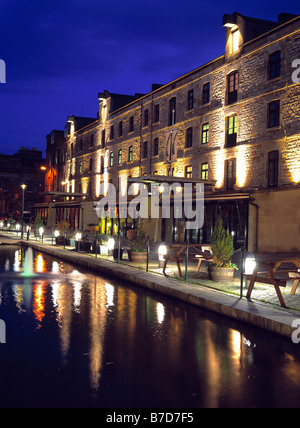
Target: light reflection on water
x=93 y=342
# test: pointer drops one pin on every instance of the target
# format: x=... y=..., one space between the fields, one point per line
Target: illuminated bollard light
x=162 y=252
x=78 y=237
x=41 y=231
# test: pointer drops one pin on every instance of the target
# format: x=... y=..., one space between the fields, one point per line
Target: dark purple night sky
x=60 y=54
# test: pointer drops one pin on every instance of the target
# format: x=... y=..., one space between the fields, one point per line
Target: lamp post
x=78 y=238
x=18 y=228
x=28 y=232
x=162 y=252
x=23 y=186
x=42 y=230
x=56 y=235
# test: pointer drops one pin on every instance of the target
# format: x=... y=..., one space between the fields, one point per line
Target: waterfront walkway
x=263 y=310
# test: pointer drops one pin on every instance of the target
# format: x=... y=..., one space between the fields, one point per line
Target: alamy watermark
x=2 y=332
x=2 y=71
x=187 y=204
x=296 y=73
x=296 y=333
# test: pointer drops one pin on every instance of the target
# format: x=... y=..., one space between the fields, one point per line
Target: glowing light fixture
x=162 y=252
x=78 y=238
x=42 y=230
x=250 y=264
x=111 y=244
x=229 y=21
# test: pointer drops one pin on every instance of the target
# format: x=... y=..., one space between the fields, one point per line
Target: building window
x=232 y=87
x=130 y=154
x=120 y=157
x=102 y=165
x=91 y=165
x=80 y=167
x=274 y=114
x=190 y=100
x=172 y=111
x=234 y=42
x=273 y=158
x=120 y=128
x=146 y=117
x=81 y=145
x=274 y=65
x=204 y=171
x=145 y=149
x=156 y=113
x=189 y=171
x=189 y=138
x=131 y=124
x=205 y=133
x=206 y=93
x=155 y=147
x=111 y=159
x=230 y=173
x=103 y=138
x=231 y=132
x=112 y=132
x=92 y=140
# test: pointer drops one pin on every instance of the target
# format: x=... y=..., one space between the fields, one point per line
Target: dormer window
x=234 y=41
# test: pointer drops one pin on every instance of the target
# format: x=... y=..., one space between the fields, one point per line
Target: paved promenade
x=262 y=311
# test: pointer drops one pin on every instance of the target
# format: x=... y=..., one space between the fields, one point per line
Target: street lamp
x=42 y=230
x=56 y=235
x=250 y=264
x=23 y=186
x=111 y=244
x=28 y=232
x=162 y=252
x=78 y=238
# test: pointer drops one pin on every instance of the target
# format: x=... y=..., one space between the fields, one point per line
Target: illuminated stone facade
x=237 y=121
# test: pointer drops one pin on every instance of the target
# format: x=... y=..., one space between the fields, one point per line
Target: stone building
x=236 y=122
x=27 y=166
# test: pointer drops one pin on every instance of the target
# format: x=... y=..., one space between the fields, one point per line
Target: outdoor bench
x=196 y=252
x=272 y=278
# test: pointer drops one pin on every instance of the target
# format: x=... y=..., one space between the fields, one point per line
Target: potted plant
x=62 y=226
x=138 y=252
x=221 y=268
x=131 y=234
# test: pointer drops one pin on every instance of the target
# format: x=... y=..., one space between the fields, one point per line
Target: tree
x=221 y=245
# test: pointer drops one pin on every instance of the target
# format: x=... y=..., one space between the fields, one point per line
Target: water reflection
x=132 y=344
x=160 y=309
x=39 y=290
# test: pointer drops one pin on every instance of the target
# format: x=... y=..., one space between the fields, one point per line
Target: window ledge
x=275 y=79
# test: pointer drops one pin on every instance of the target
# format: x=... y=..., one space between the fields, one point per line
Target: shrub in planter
x=138 y=252
x=221 y=268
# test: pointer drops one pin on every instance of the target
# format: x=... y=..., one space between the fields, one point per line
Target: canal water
x=75 y=339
